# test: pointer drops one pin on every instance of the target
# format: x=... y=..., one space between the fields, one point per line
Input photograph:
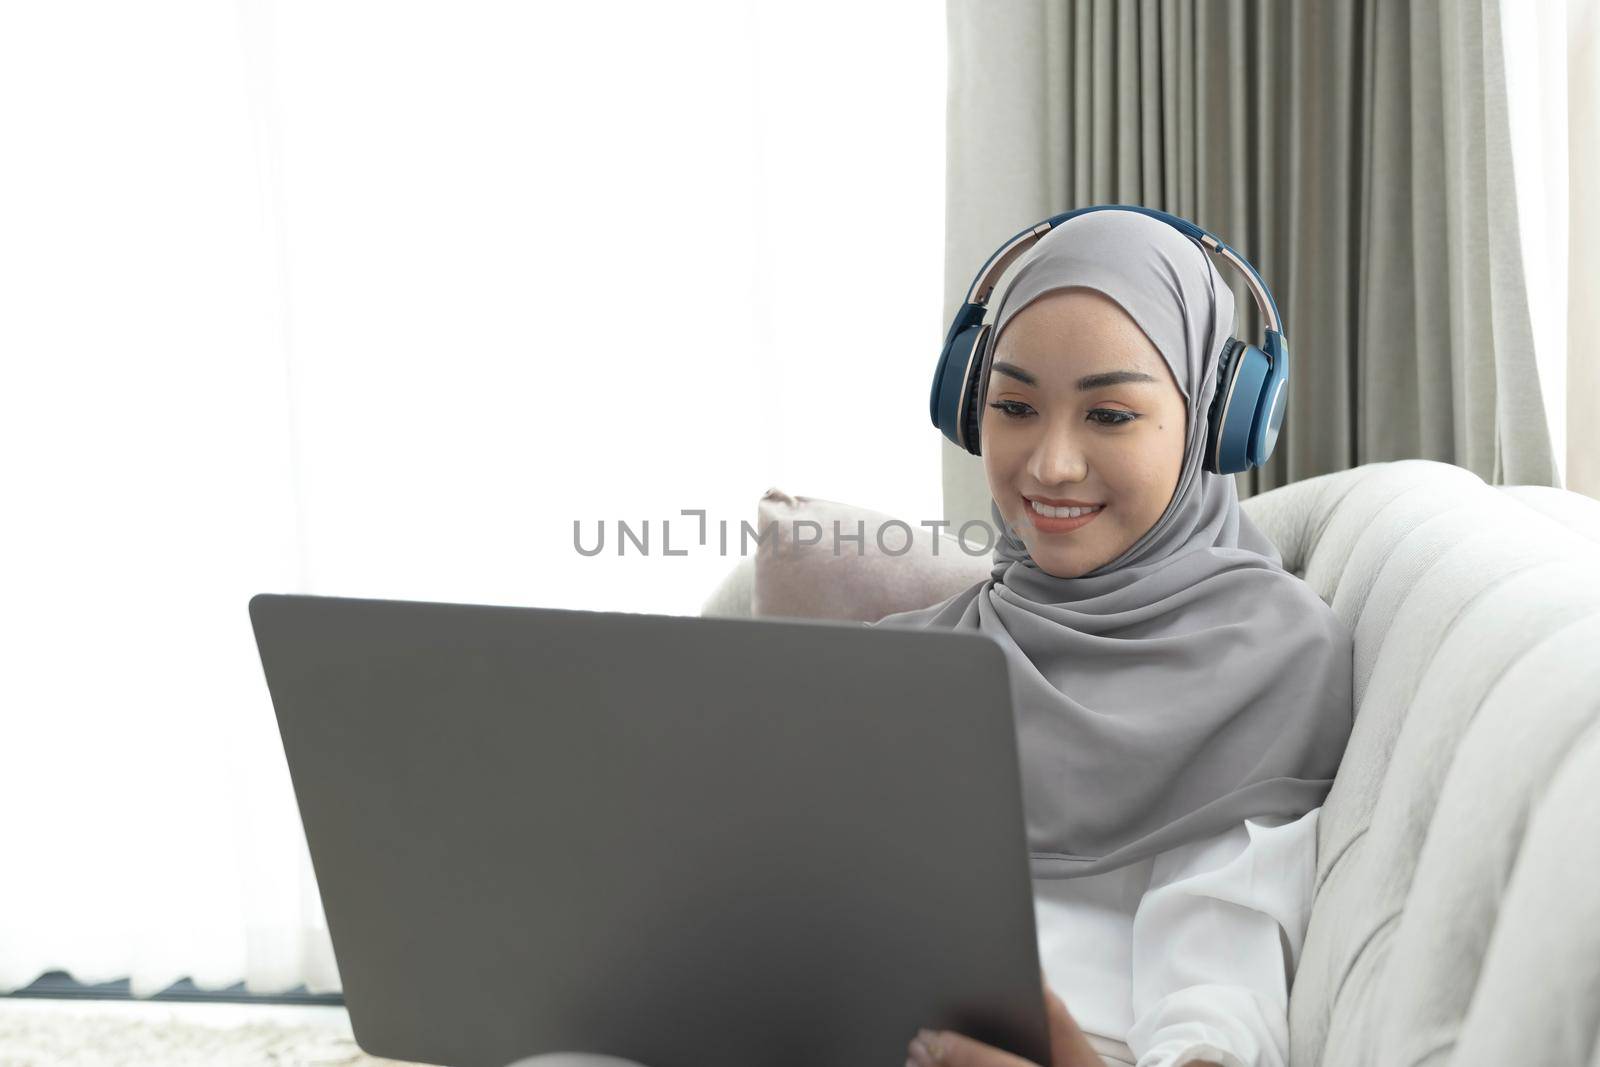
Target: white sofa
x=1457 y=915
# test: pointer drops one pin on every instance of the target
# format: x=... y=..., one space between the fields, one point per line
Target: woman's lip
x=1065 y=503
x=1048 y=525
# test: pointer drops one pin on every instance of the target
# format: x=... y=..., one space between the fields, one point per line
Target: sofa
x=1457 y=910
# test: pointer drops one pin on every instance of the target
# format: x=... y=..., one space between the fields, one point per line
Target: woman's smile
x=1053 y=520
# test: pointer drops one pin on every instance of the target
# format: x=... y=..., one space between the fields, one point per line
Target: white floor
x=135 y=1033
x=332 y=1019
x=126 y=1033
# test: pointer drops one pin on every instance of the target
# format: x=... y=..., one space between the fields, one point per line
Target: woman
x=1182 y=701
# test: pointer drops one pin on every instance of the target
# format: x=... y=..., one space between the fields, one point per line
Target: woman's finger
x=946 y=1048
x=1065 y=1037
x=1068 y=1046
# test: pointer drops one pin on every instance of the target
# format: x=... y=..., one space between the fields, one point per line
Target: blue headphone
x=1251 y=382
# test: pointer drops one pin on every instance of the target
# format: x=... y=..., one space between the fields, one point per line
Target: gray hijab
x=1191 y=682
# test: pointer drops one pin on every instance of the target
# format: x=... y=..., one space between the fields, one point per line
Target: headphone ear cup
x=969 y=412
x=950 y=402
x=1235 y=424
x=1226 y=371
x=977 y=389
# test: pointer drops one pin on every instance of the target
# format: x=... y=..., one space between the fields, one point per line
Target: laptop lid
x=683 y=841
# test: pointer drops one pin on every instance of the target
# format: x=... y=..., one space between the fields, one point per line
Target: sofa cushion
x=808 y=572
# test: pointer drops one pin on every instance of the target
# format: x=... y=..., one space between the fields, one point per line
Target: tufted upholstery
x=1457 y=915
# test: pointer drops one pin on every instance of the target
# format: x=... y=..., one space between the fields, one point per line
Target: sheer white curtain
x=377 y=299
x=1552 y=57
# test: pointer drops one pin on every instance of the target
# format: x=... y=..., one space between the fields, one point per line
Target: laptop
x=675 y=840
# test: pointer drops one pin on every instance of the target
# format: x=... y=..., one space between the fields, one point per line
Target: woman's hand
x=1068 y=1046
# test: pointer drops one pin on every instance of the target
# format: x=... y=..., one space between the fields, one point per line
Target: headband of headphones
x=1252 y=382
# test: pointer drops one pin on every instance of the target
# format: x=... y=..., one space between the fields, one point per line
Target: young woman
x=1182 y=701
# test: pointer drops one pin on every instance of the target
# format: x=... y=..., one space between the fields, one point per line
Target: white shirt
x=1187 y=955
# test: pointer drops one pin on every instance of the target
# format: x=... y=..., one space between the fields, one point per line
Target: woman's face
x=1053 y=432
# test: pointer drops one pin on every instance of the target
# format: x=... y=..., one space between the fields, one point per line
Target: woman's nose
x=1057 y=459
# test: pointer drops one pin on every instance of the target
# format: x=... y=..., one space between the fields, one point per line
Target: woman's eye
x=1016 y=409
x=1011 y=409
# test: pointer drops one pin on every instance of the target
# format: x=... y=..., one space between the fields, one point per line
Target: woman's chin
x=1059 y=561
x=1058 y=555
x=1061 y=568
x=1052 y=559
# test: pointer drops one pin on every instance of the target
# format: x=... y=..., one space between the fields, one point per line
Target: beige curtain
x=1357 y=153
x=1583 y=246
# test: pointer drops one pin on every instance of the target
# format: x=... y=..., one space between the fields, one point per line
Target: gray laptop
x=682 y=841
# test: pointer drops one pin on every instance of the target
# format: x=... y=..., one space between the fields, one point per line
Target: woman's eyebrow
x=1090 y=381
x=1115 y=377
